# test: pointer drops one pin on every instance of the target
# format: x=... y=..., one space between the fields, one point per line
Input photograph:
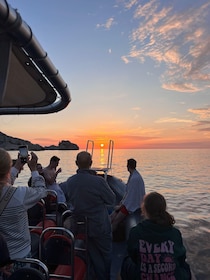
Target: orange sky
x=142 y=81
x=121 y=141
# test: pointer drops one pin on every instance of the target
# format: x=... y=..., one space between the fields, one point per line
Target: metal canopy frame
x=29 y=82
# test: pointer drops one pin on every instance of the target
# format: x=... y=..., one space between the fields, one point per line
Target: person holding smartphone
x=18 y=164
x=13 y=217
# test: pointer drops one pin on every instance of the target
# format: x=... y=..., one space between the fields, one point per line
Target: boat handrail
x=92 y=146
x=109 y=159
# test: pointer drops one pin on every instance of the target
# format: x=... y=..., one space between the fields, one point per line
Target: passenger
x=155 y=247
x=89 y=195
x=14 y=218
x=39 y=169
x=50 y=174
x=5 y=261
x=134 y=195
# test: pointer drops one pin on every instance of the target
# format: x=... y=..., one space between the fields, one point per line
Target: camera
x=23 y=152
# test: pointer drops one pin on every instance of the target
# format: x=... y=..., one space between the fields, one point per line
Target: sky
x=138 y=72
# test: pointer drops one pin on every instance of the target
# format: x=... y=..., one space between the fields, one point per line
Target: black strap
x=6 y=198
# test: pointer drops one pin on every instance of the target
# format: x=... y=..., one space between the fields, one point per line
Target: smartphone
x=23 y=151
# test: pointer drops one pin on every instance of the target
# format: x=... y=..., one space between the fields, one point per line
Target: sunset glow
x=139 y=80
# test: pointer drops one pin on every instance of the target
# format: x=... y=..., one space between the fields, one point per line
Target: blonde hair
x=5 y=163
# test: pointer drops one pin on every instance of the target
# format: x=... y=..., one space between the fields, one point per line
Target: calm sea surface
x=181 y=175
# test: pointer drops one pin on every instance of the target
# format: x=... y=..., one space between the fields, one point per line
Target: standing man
x=133 y=198
x=89 y=195
x=50 y=174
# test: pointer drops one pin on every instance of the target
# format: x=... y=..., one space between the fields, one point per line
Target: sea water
x=181 y=175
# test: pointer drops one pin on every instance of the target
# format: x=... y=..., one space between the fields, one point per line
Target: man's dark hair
x=84 y=160
x=131 y=163
x=54 y=158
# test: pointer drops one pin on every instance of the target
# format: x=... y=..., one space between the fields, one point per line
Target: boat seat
x=35 y=233
x=33 y=269
x=47 y=223
x=27 y=273
x=57 y=251
x=78 y=225
x=36 y=213
x=79 y=270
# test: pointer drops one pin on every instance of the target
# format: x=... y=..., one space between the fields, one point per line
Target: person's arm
x=15 y=170
x=13 y=174
x=51 y=175
x=38 y=187
x=36 y=179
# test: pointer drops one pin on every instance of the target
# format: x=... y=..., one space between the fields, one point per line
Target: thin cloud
x=174 y=120
x=201 y=123
x=179 y=40
x=181 y=87
x=125 y=59
x=205 y=129
x=107 y=25
x=45 y=139
x=136 y=109
x=130 y=4
x=203 y=113
x=136 y=137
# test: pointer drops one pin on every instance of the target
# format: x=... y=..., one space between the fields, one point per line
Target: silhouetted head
x=131 y=164
x=154 y=208
x=39 y=168
x=5 y=163
x=84 y=160
x=54 y=161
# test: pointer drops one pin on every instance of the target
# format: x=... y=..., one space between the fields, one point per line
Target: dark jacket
x=158 y=251
x=89 y=195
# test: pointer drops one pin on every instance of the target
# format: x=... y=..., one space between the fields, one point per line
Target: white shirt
x=135 y=192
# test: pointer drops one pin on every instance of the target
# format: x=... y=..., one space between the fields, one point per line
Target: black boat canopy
x=29 y=82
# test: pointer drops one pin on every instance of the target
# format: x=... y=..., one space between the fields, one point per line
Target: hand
x=117 y=208
x=32 y=163
x=59 y=170
x=19 y=164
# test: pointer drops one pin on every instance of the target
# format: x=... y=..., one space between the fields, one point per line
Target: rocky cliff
x=63 y=145
x=10 y=143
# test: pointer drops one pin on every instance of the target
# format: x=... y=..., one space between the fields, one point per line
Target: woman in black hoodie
x=155 y=247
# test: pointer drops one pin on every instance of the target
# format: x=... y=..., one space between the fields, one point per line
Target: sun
x=102 y=145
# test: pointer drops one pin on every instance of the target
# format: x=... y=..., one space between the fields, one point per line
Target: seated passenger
x=50 y=174
x=155 y=247
x=133 y=197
